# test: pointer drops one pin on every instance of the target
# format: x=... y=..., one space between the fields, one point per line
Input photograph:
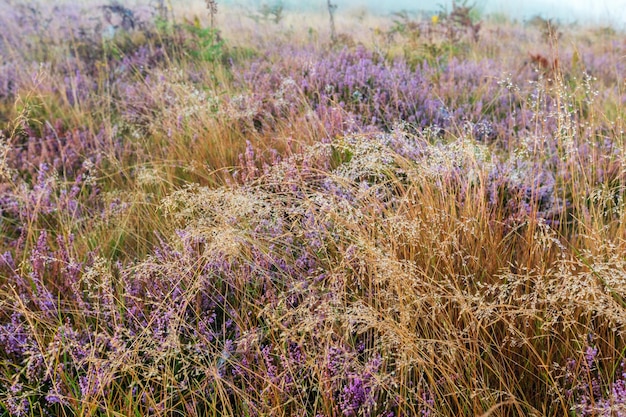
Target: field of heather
x=254 y=212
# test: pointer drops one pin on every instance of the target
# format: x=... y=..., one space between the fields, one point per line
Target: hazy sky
x=592 y=11
x=605 y=11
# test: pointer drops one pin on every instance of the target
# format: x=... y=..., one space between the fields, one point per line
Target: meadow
x=240 y=212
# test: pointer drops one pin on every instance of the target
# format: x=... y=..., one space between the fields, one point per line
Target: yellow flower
x=435 y=19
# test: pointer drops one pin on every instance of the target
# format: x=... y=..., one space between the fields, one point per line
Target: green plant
x=205 y=43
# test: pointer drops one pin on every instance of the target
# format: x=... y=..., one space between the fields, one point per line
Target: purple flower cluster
x=590 y=393
x=365 y=90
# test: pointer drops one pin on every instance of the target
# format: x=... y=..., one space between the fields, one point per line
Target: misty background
x=604 y=12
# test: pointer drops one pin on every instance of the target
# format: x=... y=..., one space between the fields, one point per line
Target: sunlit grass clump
x=228 y=214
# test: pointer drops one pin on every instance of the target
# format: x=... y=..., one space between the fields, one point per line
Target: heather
x=228 y=212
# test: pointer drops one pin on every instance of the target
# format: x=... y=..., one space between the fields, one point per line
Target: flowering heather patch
x=594 y=397
x=304 y=229
x=368 y=90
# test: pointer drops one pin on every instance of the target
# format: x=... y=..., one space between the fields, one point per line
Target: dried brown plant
x=211 y=5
